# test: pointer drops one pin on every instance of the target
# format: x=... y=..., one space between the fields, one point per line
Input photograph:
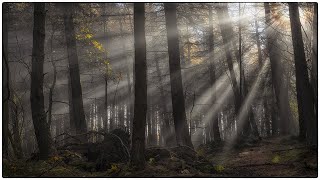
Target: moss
x=219 y=168
x=292 y=155
x=275 y=159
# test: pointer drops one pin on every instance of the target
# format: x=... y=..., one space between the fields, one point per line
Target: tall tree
x=5 y=75
x=315 y=57
x=76 y=91
x=303 y=87
x=140 y=89
x=264 y=98
x=40 y=124
x=106 y=76
x=124 y=50
x=178 y=102
x=212 y=74
x=165 y=130
x=277 y=72
x=227 y=34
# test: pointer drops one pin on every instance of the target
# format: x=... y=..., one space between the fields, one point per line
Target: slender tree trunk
x=166 y=125
x=307 y=120
x=178 y=102
x=5 y=87
x=149 y=135
x=124 y=48
x=71 y=119
x=76 y=91
x=40 y=124
x=140 y=91
x=16 y=132
x=274 y=113
x=277 y=73
x=264 y=99
x=52 y=85
x=315 y=65
x=226 y=33
x=105 y=32
x=212 y=75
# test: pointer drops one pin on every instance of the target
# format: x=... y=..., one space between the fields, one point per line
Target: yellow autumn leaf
x=88 y=36
x=97 y=45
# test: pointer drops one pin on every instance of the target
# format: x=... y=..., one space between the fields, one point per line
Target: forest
x=160 y=89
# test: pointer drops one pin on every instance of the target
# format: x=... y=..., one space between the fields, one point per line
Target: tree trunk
x=315 y=64
x=166 y=125
x=5 y=77
x=124 y=48
x=212 y=75
x=277 y=73
x=105 y=32
x=76 y=91
x=71 y=119
x=226 y=33
x=264 y=98
x=307 y=120
x=40 y=124
x=274 y=113
x=16 y=131
x=140 y=91
x=178 y=102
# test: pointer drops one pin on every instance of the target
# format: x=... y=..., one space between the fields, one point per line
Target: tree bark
x=277 y=73
x=305 y=96
x=5 y=87
x=274 y=113
x=76 y=91
x=40 y=124
x=140 y=102
x=178 y=102
x=52 y=85
x=315 y=63
x=15 y=130
x=212 y=74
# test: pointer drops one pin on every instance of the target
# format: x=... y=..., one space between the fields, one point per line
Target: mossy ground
x=271 y=157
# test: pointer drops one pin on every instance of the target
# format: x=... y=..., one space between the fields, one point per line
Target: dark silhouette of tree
x=178 y=102
x=78 y=118
x=140 y=89
x=40 y=124
x=314 y=76
x=5 y=87
x=304 y=90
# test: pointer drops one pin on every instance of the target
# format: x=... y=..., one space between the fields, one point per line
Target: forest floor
x=269 y=157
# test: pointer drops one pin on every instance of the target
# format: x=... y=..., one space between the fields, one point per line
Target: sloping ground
x=272 y=157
